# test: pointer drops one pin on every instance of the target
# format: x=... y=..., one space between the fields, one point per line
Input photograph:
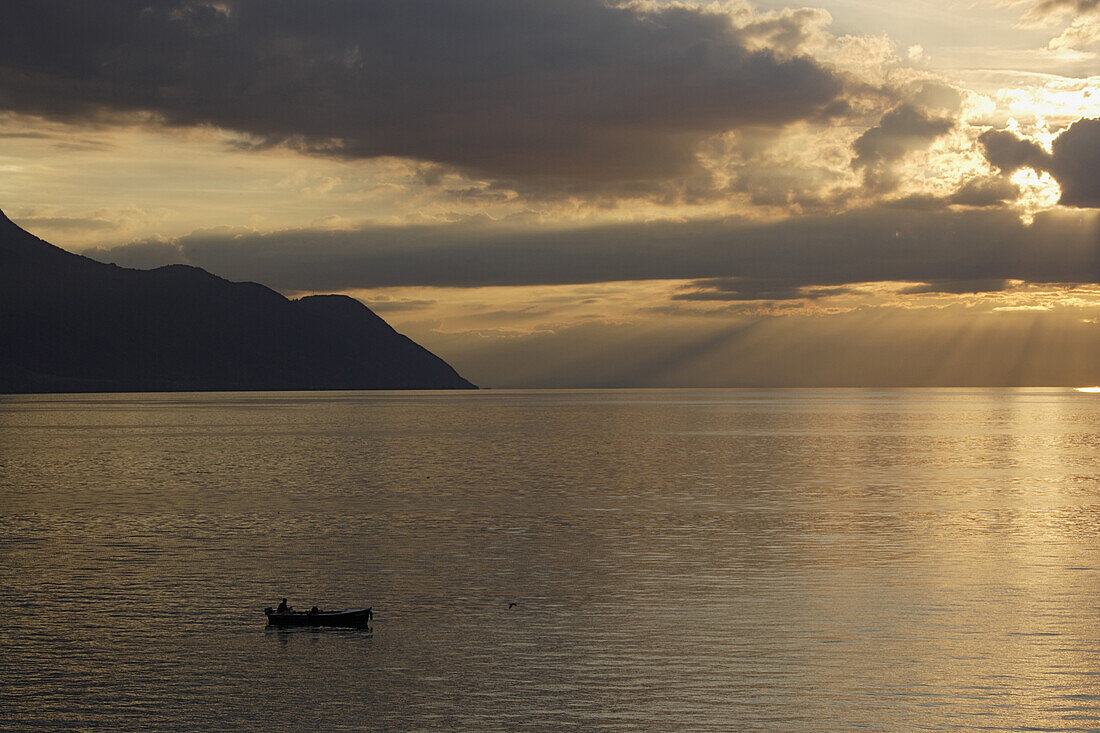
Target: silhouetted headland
x=71 y=324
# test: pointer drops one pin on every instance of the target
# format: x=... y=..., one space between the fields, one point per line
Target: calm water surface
x=681 y=560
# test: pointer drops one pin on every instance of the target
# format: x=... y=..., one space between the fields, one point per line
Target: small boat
x=356 y=618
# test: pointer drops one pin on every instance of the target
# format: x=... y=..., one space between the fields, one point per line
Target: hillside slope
x=71 y=324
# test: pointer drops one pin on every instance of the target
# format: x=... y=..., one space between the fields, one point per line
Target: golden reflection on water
x=703 y=560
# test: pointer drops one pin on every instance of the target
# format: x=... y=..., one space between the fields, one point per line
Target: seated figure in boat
x=283 y=608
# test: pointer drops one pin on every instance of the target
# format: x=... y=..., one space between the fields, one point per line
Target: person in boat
x=314 y=611
x=282 y=607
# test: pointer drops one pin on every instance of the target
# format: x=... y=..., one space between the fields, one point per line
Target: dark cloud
x=62 y=141
x=985 y=191
x=958 y=287
x=396 y=306
x=902 y=130
x=1009 y=153
x=525 y=89
x=1048 y=8
x=819 y=251
x=1073 y=161
x=67 y=223
x=737 y=289
x=143 y=255
x=917 y=202
x=25 y=136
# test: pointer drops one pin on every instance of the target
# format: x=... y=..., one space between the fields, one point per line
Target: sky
x=595 y=194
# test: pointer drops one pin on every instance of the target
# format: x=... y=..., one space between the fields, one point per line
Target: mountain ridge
x=72 y=324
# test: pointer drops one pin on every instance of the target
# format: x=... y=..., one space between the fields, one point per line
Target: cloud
x=1009 y=153
x=1081 y=33
x=788 y=31
x=978 y=192
x=957 y=287
x=142 y=255
x=985 y=191
x=1073 y=160
x=738 y=289
x=1054 y=9
x=902 y=130
x=875 y=244
x=68 y=223
x=571 y=90
x=1083 y=30
x=396 y=306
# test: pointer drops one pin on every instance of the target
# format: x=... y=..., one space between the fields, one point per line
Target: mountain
x=71 y=324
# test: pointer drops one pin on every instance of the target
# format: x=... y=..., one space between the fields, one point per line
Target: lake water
x=680 y=560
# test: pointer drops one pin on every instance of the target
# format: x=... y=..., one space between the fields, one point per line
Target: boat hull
x=357 y=618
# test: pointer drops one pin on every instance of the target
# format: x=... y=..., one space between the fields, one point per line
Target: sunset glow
x=687 y=365
x=899 y=161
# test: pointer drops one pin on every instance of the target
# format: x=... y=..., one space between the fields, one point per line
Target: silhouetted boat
x=357 y=618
